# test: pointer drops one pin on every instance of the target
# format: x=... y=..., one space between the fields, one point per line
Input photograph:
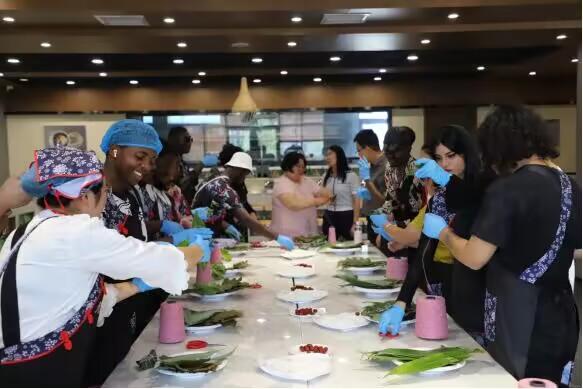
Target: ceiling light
x=102 y=74
x=23 y=79
x=378 y=78
x=169 y=20
x=1 y=74
x=257 y=60
x=45 y=44
x=317 y=79
x=532 y=74
x=178 y=61
x=70 y=82
x=97 y=61
x=196 y=81
x=202 y=74
x=335 y=58
x=257 y=80
x=425 y=41
x=292 y=44
x=296 y=19
x=453 y=16
x=13 y=60
x=561 y=37
x=283 y=72
x=134 y=82
x=575 y=60
x=481 y=68
x=182 y=44
x=239 y=45
x=412 y=57
x=382 y=70
x=8 y=19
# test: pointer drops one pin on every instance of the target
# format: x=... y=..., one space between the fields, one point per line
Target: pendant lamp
x=244 y=103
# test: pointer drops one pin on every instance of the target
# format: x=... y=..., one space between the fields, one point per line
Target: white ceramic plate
x=439 y=370
x=298 y=254
x=321 y=311
x=236 y=254
x=298 y=367
x=200 y=329
x=403 y=323
x=376 y=292
x=296 y=349
x=225 y=242
x=232 y=272
x=346 y=321
x=364 y=270
x=191 y=375
x=302 y=296
x=341 y=252
x=297 y=272
x=214 y=297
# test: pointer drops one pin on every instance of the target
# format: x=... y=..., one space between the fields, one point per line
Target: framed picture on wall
x=70 y=136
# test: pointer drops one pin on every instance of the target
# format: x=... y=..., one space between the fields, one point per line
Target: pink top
x=287 y=221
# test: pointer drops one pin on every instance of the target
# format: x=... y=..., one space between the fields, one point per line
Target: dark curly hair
x=291 y=159
x=511 y=133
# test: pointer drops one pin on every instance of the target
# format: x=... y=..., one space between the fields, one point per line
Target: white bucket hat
x=241 y=160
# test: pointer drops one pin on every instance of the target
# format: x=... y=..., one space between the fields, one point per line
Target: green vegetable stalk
x=353 y=280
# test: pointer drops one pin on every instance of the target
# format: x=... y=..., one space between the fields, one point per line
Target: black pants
x=342 y=221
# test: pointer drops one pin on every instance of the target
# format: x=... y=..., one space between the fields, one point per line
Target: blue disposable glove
x=391 y=319
x=286 y=242
x=381 y=231
x=142 y=286
x=379 y=220
x=210 y=160
x=428 y=168
x=364 y=194
x=233 y=232
x=363 y=169
x=205 y=246
x=433 y=225
x=170 y=227
x=190 y=235
x=202 y=213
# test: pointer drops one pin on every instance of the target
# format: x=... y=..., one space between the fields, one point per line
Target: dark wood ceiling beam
x=137 y=6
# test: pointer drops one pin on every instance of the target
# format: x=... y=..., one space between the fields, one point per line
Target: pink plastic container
x=332 y=235
x=204 y=273
x=397 y=268
x=431 y=318
x=171 y=323
x=216 y=256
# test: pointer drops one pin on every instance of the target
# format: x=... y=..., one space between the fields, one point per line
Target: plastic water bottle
x=357 y=233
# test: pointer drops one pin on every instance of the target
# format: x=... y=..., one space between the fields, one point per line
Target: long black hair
x=341 y=164
x=460 y=141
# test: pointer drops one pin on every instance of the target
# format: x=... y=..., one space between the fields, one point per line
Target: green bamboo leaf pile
x=311 y=242
x=211 y=317
x=224 y=286
x=218 y=271
x=241 y=265
x=375 y=309
x=359 y=262
x=204 y=362
x=352 y=280
x=239 y=247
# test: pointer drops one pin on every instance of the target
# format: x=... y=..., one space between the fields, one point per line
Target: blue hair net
x=133 y=133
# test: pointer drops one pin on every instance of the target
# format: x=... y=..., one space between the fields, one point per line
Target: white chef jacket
x=59 y=262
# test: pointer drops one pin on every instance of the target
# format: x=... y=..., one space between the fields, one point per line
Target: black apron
x=513 y=304
x=57 y=359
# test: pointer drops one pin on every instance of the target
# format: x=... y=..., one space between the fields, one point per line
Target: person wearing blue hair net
x=131 y=148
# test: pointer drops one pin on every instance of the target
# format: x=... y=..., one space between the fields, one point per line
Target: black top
x=123 y=213
x=520 y=215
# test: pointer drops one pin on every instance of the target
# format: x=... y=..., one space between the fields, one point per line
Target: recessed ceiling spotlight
x=575 y=60
x=453 y=16
x=239 y=45
x=561 y=37
x=169 y=20
x=1 y=74
x=45 y=44
x=335 y=58
x=202 y=74
x=532 y=73
x=178 y=61
x=292 y=44
x=382 y=70
x=97 y=61
x=196 y=81
x=257 y=80
x=257 y=60
x=70 y=82
x=102 y=74
x=412 y=57
x=13 y=60
x=481 y=68
x=425 y=41
x=317 y=79
x=23 y=79
x=182 y=44
x=283 y=72
x=134 y=82
x=8 y=19
x=296 y=19
x=378 y=78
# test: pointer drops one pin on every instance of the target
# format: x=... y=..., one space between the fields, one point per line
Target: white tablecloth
x=267 y=330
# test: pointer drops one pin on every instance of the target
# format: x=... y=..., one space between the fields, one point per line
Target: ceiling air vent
x=122 y=20
x=344 y=18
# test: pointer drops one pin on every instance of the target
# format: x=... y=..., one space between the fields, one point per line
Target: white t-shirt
x=59 y=262
x=343 y=191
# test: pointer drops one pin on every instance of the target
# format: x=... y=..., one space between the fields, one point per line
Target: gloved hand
x=391 y=319
x=210 y=160
x=205 y=246
x=364 y=194
x=170 y=227
x=379 y=220
x=233 y=232
x=381 y=231
x=363 y=169
x=286 y=242
x=142 y=286
x=433 y=225
x=190 y=235
x=202 y=213
x=428 y=168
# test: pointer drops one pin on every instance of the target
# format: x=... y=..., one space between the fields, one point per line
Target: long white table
x=267 y=330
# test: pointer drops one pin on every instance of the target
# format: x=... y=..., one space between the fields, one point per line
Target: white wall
x=26 y=134
x=415 y=119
